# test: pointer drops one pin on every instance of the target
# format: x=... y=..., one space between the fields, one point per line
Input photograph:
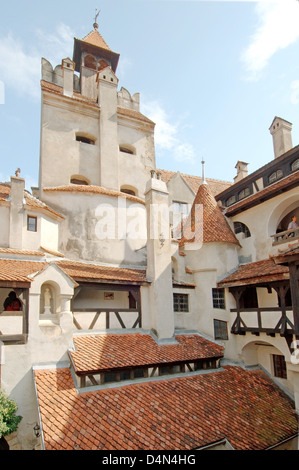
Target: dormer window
x=295 y=165
x=276 y=175
x=231 y=200
x=244 y=193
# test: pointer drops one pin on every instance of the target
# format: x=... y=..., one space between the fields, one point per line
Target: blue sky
x=211 y=74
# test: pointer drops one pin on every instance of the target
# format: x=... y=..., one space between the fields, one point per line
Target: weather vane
x=96 y=19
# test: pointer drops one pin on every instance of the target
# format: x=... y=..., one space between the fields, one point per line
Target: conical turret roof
x=206 y=216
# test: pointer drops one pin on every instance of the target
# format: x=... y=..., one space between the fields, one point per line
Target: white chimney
x=242 y=171
x=159 y=269
x=281 y=132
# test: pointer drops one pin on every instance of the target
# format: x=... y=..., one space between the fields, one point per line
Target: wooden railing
x=107 y=312
x=286 y=236
x=284 y=326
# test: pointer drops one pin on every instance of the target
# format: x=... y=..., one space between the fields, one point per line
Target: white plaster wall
x=17 y=375
x=49 y=234
x=4 y=232
x=31 y=240
x=262 y=221
x=61 y=155
x=85 y=214
x=134 y=170
x=209 y=264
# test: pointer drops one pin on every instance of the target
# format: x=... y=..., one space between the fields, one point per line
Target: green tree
x=9 y=420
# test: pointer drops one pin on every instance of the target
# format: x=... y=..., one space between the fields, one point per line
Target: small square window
x=280 y=367
x=31 y=223
x=220 y=329
x=181 y=302
x=218 y=298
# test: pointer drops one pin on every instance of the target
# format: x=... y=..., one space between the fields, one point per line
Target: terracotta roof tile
x=107 y=352
x=19 y=270
x=245 y=407
x=194 y=182
x=211 y=222
x=96 y=39
x=92 y=272
x=56 y=89
x=31 y=201
x=91 y=189
x=256 y=273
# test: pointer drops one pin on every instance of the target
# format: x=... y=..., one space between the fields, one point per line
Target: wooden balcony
x=269 y=320
x=119 y=313
x=286 y=236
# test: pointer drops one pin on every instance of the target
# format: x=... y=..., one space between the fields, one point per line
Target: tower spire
x=96 y=25
x=203 y=172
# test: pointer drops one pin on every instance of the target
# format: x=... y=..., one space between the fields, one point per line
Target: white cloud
x=20 y=65
x=277 y=29
x=167 y=133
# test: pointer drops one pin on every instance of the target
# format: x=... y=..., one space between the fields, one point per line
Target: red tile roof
x=19 y=270
x=92 y=272
x=91 y=189
x=194 y=182
x=31 y=201
x=96 y=39
x=96 y=353
x=258 y=272
x=211 y=222
x=185 y=413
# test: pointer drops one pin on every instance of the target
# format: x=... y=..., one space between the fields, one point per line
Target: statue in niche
x=47 y=300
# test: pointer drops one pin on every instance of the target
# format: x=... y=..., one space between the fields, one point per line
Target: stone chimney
x=281 y=132
x=16 y=212
x=68 y=67
x=242 y=171
x=159 y=268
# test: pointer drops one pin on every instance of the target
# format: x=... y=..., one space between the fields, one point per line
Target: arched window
x=102 y=64
x=295 y=165
x=129 y=190
x=80 y=180
x=239 y=227
x=126 y=148
x=90 y=62
x=276 y=175
x=85 y=138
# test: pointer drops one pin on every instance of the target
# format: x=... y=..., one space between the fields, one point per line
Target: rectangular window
x=280 y=368
x=31 y=223
x=220 y=329
x=181 y=302
x=218 y=298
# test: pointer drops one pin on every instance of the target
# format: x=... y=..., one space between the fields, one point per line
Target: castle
x=158 y=310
